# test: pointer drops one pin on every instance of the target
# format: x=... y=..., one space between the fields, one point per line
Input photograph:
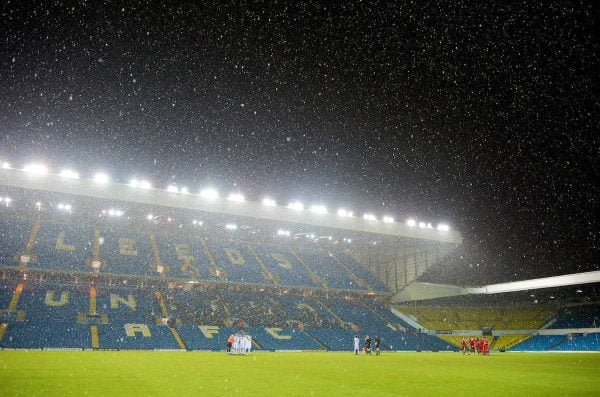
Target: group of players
x=367 y=345
x=239 y=344
x=475 y=346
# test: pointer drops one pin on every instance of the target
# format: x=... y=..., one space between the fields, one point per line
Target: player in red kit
x=463 y=345
x=471 y=345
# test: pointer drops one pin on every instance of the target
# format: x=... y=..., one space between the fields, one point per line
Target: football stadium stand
x=460 y=318
x=59 y=315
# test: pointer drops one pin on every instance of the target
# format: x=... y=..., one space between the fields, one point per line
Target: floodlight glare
x=411 y=223
x=172 y=189
x=285 y=233
x=345 y=213
x=369 y=217
x=318 y=209
x=6 y=165
x=134 y=183
x=69 y=174
x=113 y=212
x=231 y=226
x=209 y=194
x=184 y=190
x=145 y=185
x=267 y=202
x=422 y=225
x=236 y=197
x=296 y=205
x=443 y=228
x=150 y=217
x=429 y=226
x=388 y=219
x=101 y=178
x=37 y=169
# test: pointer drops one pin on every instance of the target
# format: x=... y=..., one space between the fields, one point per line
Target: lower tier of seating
x=50 y=315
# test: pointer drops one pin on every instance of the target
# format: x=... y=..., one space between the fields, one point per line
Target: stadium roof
x=423 y=291
x=159 y=197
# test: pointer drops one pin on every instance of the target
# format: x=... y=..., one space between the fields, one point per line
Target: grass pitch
x=61 y=373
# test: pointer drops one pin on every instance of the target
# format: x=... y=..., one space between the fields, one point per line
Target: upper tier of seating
x=119 y=248
x=583 y=316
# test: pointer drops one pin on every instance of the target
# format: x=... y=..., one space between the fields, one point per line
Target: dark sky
x=482 y=115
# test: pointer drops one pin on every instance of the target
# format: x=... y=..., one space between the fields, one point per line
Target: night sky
x=485 y=116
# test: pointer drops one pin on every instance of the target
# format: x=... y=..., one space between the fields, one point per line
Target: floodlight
x=411 y=223
x=345 y=213
x=296 y=205
x=69 y=174
x=101 y=178
x=184 y=190
x=318 y=209
x=38 y=169
x=443 y=228
x=369 y=217
x=64 y=207
x=150 y=217
x=134 y=183
x=231 y=226
x=197 y=223
x=172 y=189
x=209 y=194
x=388 y=219
x=6 y=165
x=285 y=233
x=422 y=225
x=429 y=225
x=236 y=197
x=267 y=202
x=145 y=185
x=113 y=212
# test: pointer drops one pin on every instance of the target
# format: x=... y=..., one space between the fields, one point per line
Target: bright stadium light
x=296 y=206
x=64 y=207
x=150 y=217
x=318 y=209
x=184 y=190
x=411 y=223
x=236 y=197
x=197 y=223
x=69 y=174
x=37 y=169
x=422 y=225
x=283 y=233
x=134 y=183
x=443 y=227
x=345 y=213
x=6 y=165
x=429 y=225
x=267 y=202
x=388 y=219
x=115 y=213
x=209 y=194
x=101 y=178
x=145 y=185
x=369 y=217
x=231 y=226
x=172 y=189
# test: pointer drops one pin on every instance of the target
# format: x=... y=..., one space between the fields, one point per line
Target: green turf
x=48 y=373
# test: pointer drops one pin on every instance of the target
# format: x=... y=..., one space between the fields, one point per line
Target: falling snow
x=481 y=115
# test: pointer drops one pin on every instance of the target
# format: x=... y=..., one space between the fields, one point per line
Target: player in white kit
x=356 y=344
